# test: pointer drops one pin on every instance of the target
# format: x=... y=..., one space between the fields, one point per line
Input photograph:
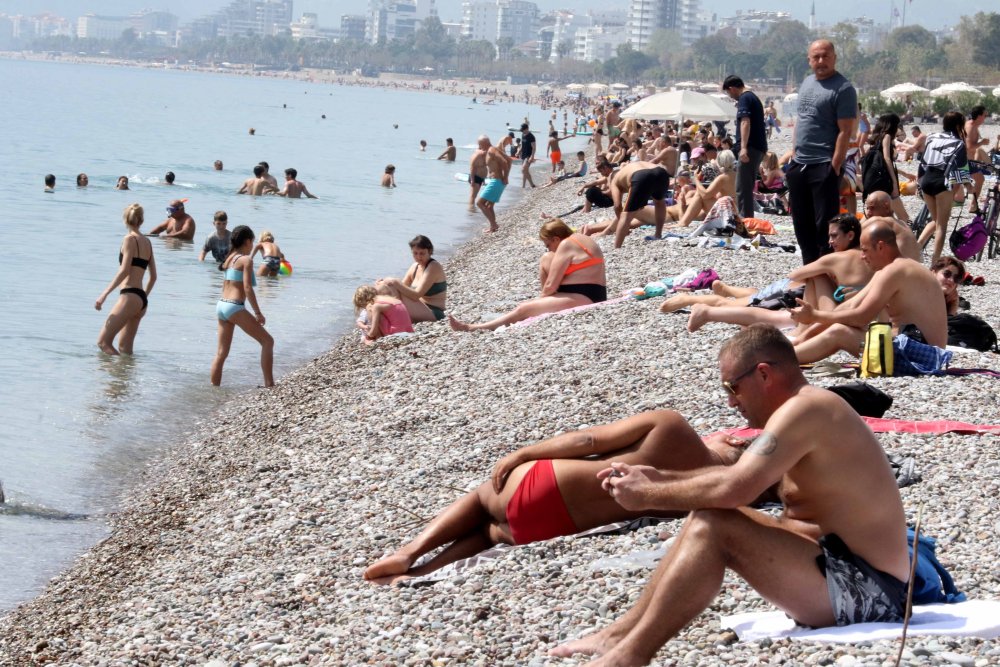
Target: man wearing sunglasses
x=837 y=554
x=178 y=225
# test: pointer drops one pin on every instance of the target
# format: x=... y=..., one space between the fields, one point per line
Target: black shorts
x=647 y=184
x=596 y=293
x=933 y=182
x=598 y=198
x=858 y=592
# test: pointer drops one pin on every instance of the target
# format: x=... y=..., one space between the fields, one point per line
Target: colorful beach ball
x=285 y=269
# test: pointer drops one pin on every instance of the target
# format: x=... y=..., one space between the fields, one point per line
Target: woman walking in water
x=134 y=259
x=237 y=289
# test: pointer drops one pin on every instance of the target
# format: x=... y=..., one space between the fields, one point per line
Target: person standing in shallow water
x=134 y=259
x=237 y=289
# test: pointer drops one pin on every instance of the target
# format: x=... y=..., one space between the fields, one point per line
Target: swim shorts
x=555 y=156
x=858 y=592
x=537 y=510
x=226 y=308
x=492 y=190
x=647 y=184
x=933 y=181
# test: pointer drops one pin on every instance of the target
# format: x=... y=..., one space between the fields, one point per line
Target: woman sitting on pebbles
x=702 y=204
x=423 y=288
x=572 y=274
x=551 y=489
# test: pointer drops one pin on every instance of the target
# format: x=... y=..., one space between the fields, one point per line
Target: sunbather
x=551 y=488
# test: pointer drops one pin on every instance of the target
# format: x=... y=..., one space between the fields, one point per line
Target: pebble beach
x=245 y=544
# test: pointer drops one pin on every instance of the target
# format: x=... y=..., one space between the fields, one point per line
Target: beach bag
x=867 y=401
x=966 y=330
x=932 y=584
x=875 y=175
x=758 y=226
x=877 y=356
x=968 y=241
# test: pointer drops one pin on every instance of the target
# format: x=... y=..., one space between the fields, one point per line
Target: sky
x=932 y=14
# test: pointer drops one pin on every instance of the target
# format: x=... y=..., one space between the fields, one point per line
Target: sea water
x=76 y=426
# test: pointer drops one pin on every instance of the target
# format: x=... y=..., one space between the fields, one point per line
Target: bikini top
x=436 y=288
x=236 y=275
x=590 y=261
x=136 y=260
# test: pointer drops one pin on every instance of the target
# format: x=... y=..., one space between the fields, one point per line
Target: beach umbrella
x=596 y=87
x=619 y=86
x=575 y=86
x=792 y=97
x=996 y=91
x=680 y=104
x=708 y=87
x=954 y=88
x=902 y=90
x=687 y=84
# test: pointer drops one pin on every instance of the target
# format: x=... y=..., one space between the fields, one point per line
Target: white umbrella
x=619 y=86
x=687 y=84
x=996 y=91
x=708 y=86
x=680 y=104
x=902 y=90
x=792 y=97
x=575 y=86
x=954 y=88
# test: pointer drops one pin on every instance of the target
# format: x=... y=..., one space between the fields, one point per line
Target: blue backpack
x=931 y=582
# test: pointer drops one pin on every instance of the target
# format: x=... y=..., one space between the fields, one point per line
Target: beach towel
x=975 y=618
x=930 y=427
x=758 y=226
x=600 y=304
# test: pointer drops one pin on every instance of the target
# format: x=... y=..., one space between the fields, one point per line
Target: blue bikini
x=226 y=308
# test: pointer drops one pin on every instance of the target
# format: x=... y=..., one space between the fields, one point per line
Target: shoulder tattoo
x=764 y=444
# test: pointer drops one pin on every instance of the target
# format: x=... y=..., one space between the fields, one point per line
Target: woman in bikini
x=134 y=259
x=237 y=289
x=271 y=254
x=571 y=274
x=707 y=203
x=424 y=287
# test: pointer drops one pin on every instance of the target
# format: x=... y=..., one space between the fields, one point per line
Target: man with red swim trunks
x=551 y=488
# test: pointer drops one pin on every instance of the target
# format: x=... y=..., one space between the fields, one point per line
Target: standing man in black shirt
x=751 y=141
x=527 y=154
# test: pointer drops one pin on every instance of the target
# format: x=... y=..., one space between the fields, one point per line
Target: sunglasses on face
x=732 y=386
x=950 y=275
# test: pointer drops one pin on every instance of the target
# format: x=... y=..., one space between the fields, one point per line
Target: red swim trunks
x=537 y=511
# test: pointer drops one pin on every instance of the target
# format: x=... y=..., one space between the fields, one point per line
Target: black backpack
x=965 y=330
x=875 y=174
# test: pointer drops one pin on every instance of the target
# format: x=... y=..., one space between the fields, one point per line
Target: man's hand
x=804 y=314
x=631 y=486
x=836 y=167
x=502 y=469
x=744 y=156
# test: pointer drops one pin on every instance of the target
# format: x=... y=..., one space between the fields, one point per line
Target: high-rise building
x=645 y=17
x=352 y=27
x=599 y=43
x=241 y=18
x=92 y=26
x=396 y=19
x=490 y=21
x=751 y=24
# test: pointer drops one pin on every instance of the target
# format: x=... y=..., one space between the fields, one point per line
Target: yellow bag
x=877 y=356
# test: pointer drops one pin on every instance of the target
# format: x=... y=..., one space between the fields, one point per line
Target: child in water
x=380 y=312
x=271 y=254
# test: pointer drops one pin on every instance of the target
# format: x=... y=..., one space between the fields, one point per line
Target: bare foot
x=492 y=229
x=699 y=317
x=598 y=643
x=677 y=302
x=391 y=580
x=108 y=348
x=546 y=216
x=457 y=325
x=720 y=288
x=390 y=566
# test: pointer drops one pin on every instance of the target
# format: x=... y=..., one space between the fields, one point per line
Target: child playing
x=271 y=253
x=380 y=312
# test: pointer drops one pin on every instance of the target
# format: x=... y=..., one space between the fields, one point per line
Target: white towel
x=976 y=618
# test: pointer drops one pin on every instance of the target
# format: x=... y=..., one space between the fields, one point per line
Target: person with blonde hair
x=271 y=254
x=571 y=273
x=134 y=259
x=385 y=314
x=718 y=199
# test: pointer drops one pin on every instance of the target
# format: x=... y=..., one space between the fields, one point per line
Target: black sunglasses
x=732 y=386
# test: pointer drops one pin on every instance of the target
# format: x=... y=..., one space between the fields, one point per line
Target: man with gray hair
x=828 y=112
x=497 y=171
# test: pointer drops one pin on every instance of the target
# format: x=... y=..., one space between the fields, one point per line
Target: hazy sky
x=930 y=13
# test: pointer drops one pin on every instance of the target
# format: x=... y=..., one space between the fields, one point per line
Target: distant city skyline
x=929 y=13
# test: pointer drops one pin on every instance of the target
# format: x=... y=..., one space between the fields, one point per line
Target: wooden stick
x=909 y=586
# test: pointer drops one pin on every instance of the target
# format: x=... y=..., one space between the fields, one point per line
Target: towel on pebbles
x=975 y=618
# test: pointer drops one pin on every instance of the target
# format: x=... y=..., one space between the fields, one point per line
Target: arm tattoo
x=764 y=444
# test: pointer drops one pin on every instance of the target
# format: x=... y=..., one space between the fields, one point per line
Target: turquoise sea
x=77 y=427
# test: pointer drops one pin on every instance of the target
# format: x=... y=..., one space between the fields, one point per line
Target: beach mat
x=931 y=427
x=975 y=618
x=600 y=304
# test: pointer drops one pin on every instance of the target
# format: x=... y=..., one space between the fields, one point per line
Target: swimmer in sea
x=178 y=225
x=294 y=189
x=450 y=152
x=122 y=183
x=389 y=176
x=257 y=185
x=218 y=165
x=271 y=254
x=82 y=180
x=50 y=182
x=169 y=178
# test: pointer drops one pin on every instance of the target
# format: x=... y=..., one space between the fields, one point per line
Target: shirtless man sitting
x=914 y=146
x=836 y=555
x=905 y=289
x=878 y=208
x=258 y=185
x=828 y=281
x=178 y=225
x=642 y=181
x=551 y=488
x=294 y=189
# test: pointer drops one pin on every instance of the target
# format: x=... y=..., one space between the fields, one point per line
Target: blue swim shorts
x=492 y=190
x=225 y=309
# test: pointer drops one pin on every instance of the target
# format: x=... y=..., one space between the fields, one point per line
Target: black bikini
x=141 y=263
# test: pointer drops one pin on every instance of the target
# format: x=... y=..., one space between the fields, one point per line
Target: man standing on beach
x=497 y=172
x=836 y=555
x=178 y=225
x=294 y=189
x=613 y=118
x=477 y=168
x=258 y=185
x=828 y=112
x=449 y=153
x=974 y=149
x=750 y=142
x=527 y=154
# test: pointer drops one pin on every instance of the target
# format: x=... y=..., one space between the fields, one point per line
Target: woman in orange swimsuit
x=572 y=274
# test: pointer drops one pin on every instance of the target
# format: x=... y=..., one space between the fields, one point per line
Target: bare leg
x=253 y=328
x=418 y=310
x=487 y=208
x=696 y=207
x=127 y=337
x=686 y=300
x=722 y=289
x=939 y=207
x=222 y=351
x=530 y=308
x=743 y=316
x=623 y=228
x=900 y=210
x=778 y=563
x=126 y=307
x=836 y=337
